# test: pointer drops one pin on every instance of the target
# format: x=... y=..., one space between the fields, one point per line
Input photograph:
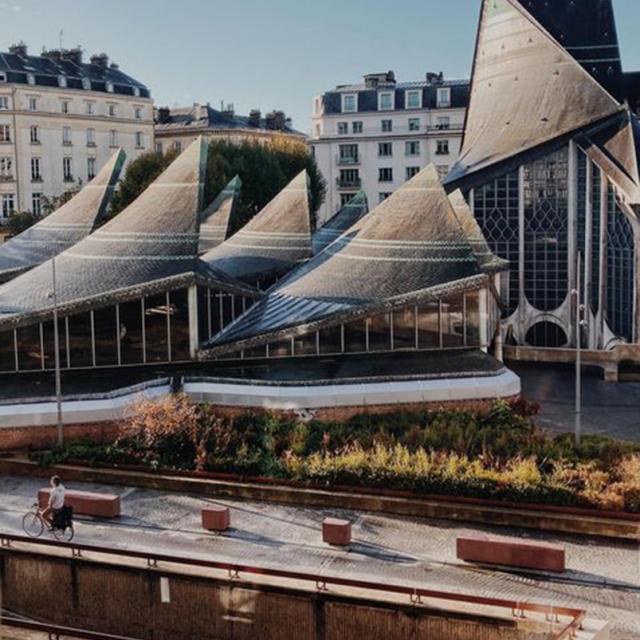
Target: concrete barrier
x=539 y=556
x=101 y=505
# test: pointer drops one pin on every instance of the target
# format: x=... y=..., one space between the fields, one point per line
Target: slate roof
x=150 y=246
x=526 y=90
x=411 y=247
x=217 y=218
x=355 y=209
x=273 y=242
x=64 y=227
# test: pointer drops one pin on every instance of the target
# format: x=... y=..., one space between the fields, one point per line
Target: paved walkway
x=603 y=577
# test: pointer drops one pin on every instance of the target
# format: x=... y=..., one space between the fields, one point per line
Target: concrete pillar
x=194 y=339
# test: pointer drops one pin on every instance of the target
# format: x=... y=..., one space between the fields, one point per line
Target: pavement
x=609 y=409
x=603 y=576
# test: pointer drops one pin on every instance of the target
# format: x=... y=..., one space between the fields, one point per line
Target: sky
x=275 y=54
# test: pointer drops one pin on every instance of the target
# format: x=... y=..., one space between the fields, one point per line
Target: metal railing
x=347 y=160
x=415 y=595
x=349 y=183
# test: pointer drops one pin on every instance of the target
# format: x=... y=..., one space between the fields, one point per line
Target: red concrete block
x=101 y=505
x=336 y=532
x=216 y=518
x=483 y=549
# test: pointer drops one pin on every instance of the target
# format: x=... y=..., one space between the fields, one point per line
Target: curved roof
x=151 y=245
x=273 y=242
x=218 y=216
x=64 y=227
x=409 y=247
x=526 y=90
x=340 y=222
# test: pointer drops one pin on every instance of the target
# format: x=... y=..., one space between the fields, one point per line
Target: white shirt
x=56 y=497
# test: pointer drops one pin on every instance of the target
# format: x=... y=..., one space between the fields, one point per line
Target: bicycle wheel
x=32 y=524
x=64 y=535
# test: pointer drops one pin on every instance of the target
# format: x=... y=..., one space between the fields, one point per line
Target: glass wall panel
x=380 y=333
x=216 y=311
x=29 y=348
x=80 y=349
x=227 y=309
x=179 y=325
x=238 y=306
x=48 y=339
x=203 y=314
x=472 y=324
x=596 y=230
x=280 y=349
x=331 y=340
x=306 y=345
x=7 y=352
x=105 y=329
x=131 y=347
x=155 y=328
x=355 y=336
x=429 y=326
x=452 y=311
x=404 y=328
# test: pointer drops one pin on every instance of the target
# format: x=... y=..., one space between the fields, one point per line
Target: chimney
x=53 y=54
x=288 y=123
x=276 y=120
x=435 y=78
x=19 y=49
x=163 y=115
x=114 y=66
x=73 y=55
x=100 y=60
x=255 y=118
x=229 y=111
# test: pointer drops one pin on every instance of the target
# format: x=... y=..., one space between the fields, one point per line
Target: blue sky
x=259 y=54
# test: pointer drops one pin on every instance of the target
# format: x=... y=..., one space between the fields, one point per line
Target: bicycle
x=34 y=525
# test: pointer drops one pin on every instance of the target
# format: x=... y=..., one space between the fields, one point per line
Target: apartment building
x=376 y=135
x=61 y=120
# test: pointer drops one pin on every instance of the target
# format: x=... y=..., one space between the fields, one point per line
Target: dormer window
x=413 y=100
x=349 y=103
x=385 y=101
x=86 y=84
x=109 y=87
x=62 y=81
x=3 y=77
x=444 y=98
x=136 y=92
x=31 y=79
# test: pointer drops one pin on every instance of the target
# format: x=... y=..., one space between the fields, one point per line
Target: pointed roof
x=64 y=227
x=218 y=217
x=488 y=261
x=526 y=90
x=150 y=246
x=273 y=242
x=340 y=222
x=410 y=247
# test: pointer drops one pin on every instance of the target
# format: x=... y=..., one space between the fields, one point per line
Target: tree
x=20 y=221
x=51 y=203
x=265 y=169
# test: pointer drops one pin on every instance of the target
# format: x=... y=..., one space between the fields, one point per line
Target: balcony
x=5 y=177
x=348 y=160
x=349 y=183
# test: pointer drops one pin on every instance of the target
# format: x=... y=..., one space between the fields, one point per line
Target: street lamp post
x=56 y=347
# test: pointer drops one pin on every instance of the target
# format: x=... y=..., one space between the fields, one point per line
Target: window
x=109 y=87
x=139 y=140
x=442 y=148
x=412 y=148
x=64 y=106
x=36 y=204
x=443 y=170
x=31 y=79
x=112 y=111
x=412 y=171
x=413 y=100
x=67 y=170
x=177 y=145
x=5 y=133
x=33 y=104
x=91 y=137
x=6 y=167
x=357 y=127
x=66 y=136
x=383 y=196
x=3 y=77
x=414 y=124
x=34 y=135
x=387 y=126
x=385 y=149
x=348 y=154
x=444 y=98
x=4 y=103
x=8 y=204
x=345 y=198
x=349 y=178
x=36 y=176
x=444 y=122
x=385 y=174
x=113 y=138
x=62 y=81
x=137 y=113
x=91 y=168
x=159 y=148
x=349 y=103
x=343 y=128
x=385 y=101
x=89 y=108
x=86 y=84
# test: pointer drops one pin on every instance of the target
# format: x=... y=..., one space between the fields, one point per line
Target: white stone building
x=376 y=135
x=60 y=121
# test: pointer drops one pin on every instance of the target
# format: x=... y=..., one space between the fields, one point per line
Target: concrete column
x=194 y=339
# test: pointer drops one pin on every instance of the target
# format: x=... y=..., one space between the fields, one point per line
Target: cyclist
x=56 y=501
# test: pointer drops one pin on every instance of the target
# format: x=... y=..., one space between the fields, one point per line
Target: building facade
x=177 y=128
x=377 y=135
x=61 y=120
x=549 y=165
